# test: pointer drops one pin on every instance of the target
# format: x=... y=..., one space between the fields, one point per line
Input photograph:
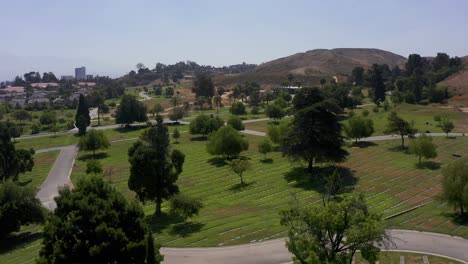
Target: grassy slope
x=390 y=257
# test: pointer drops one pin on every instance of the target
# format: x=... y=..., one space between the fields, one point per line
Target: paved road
x=59 y=175
x=275 y=251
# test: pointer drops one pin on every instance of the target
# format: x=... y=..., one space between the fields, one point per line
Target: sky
x=110 y=37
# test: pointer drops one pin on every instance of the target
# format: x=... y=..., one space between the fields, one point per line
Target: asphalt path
x=59 y=175
x=275 y=251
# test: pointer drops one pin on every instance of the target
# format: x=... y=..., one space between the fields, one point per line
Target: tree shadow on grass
x=186 y=228
x=24 y=183
x=267 y=161
x=457 y=218
x=157 y=223
x=316 y=181
x=363 y=144
x=200 y=138
x=217 y=161
x=240 y=186
x=126 y=129
x=431 y=165
x=101 y=155
x=13 y=242
x=399 y=149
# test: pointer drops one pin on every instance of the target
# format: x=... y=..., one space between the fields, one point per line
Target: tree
x=238 y=109
x=15 y=131
x=22 y=115
x=358 y=75
x=277 y=133
x=154 y=168
x=455 y=184
x=111 y=229
x=158 y=108
x=176 y=135
x=185 y=206
x=359 y=127
x=18 y=206
x=96 y=99
x=399 y=126
x=239 y=166
x=13 y=162
x=376 y=80
x=315 y=133
x=323 y=81
x=94 y=140
x=265 y=147
x=82 y=118
x=236 y=123
x=130 y=110
x=447 y=125
x=274 y=111
x=203 y=86
x=333 y=232
x=151 y=249
x=204 y=125
x=226 y=141
x=177 y=113
x=48 y=118
x=54 y=129
x=422 y=146
x=93 y=167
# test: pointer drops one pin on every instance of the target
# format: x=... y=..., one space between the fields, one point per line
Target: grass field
x=392 y=257
x=234 y=214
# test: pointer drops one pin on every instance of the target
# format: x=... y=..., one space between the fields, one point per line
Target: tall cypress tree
x=82 y=118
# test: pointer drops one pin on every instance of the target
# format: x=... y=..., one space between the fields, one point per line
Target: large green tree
x=130 y=110
x=13 y=162
x=423 y=146
x=315 y=134
x=455 y=184
x=82 y=118
x=332 y=233
x=204 y=87
x=154 y=168
x=359 y=127
x=94 y=223
x=398 y=125
x=18 y=206
x=226 y=141
x=204 y=125
x=94 y=140
x=377 y=82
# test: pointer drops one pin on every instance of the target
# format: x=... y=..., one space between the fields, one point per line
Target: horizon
x=113 y=42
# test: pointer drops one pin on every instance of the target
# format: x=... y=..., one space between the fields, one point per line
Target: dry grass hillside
x=309 y=67
x=458 y=82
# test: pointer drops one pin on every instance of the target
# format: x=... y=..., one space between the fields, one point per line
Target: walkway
x=275 y=251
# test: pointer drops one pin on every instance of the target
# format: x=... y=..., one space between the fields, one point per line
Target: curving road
x=275 y=251
x=272 y=251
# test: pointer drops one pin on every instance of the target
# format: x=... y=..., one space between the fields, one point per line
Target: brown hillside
x=309 y=67
x=458 y=82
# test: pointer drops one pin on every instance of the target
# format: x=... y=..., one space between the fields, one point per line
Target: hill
x=458 y=82
x=309 y=67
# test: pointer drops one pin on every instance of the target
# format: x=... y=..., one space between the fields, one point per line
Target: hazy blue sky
x=110 y=37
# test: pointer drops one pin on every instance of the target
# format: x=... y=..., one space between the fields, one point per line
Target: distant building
x=89 y=77
x=80 y=73
x=67 y=78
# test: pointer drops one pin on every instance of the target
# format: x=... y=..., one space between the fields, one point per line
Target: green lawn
x=43 y=163
x=392 y=257
x=232 y=215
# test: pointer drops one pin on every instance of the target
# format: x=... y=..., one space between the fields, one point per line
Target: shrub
x=365 y=113
x=375 y=109
x=236 y=123
x=185 y=206
x=93 y=167
x=35 y=128
x=227 y=142
x=204 y=125
x=255 y=110
x=238 y=109
x=351 y=114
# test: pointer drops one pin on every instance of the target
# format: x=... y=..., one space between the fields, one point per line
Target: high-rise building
x=80 y=73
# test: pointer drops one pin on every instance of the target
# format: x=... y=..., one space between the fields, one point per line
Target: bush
x=48 y=118
x=255 y=110
x=93 y=167
x=204 y=125
x=375 y=109
x=365 y=113
x=238 y=109
x=227 y=142
x=112 y=104
x=185 y=206
x=274 y=111
x=351 y=114
x=35 y=129
x=18 y=206
x=236 y=123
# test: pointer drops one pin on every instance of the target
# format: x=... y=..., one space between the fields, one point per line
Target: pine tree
x=82 y=118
